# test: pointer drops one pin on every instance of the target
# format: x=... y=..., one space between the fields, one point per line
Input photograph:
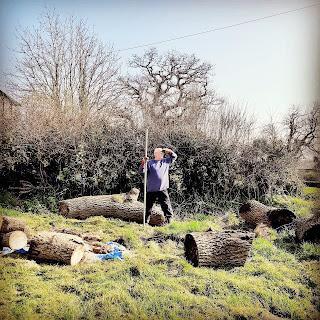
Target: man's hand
x=166 y=150
x=145 y=160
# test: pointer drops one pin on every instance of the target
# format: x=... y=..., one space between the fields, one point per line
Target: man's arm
x=172 y=155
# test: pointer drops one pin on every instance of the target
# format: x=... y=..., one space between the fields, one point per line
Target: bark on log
x=85 y=207
x=75 y=232
x=255 y=212
x=15 y=240
x=53 y=246
x=218 y=248
x=88 y=236
x=8 y=224
x=308 y=228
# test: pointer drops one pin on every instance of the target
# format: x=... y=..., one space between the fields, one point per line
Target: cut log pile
x=122 y=206
x=64 y=245
x=68 y=246
x=14 y=233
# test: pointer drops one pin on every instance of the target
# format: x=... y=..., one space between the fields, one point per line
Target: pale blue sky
x=268 y=65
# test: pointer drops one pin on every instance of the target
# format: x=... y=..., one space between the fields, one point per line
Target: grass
x=279 y=279
x=300 y=206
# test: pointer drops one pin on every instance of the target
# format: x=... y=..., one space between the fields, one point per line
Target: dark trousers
x=164 y=200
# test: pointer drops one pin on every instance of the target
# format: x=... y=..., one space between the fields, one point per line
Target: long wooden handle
x=145 y=180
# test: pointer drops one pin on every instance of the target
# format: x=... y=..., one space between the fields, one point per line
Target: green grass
x=154 y=281
x=300 y=206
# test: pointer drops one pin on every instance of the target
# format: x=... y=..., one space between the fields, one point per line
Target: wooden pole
x=145 y=179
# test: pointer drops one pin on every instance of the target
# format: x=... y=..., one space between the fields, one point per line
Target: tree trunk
x=15 y=240
x=255 y=213
x=218 y=248
x=308 y=228
x=9 y=224
x=106 y=206
x=61 y=247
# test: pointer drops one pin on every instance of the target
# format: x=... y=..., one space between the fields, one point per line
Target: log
x=218 y=248
x=8 y=224
x=107 y=206
x=255 y=213
x=88 y=236
x=75 y=232
x=54 y=246
x=308 y=228
x=15 y=240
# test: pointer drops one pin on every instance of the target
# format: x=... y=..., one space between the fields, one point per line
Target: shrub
x=99 y=157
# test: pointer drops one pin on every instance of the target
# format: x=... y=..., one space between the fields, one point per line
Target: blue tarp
x=116 y=253
x=7 y=250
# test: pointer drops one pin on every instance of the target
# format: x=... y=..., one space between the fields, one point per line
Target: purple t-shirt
x=158 y=173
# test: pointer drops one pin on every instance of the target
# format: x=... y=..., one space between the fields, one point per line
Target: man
x=158 y=181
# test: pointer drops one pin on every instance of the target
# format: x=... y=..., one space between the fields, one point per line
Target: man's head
x=158 y=154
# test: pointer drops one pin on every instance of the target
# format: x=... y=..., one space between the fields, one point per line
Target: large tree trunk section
x=85 y=207
x=53 y=246
x=15 y=240
x=218 y=248
x=8 y=224
x=255 y=213
x=308 y=228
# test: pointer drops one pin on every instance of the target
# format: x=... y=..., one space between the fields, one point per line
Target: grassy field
x=154 y=281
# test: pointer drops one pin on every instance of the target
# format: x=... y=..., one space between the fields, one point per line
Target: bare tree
x=302 y=129
x=172 y=86
x=65 y=62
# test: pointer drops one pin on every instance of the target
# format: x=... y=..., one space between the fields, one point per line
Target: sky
x=267 y=65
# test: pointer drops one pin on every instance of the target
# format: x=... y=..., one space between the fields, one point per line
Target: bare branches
x=65 y=61
x=168 y=86
x=229 y=124
x=302 y=129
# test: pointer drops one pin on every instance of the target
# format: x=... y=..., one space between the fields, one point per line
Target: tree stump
x=15 y=240
x=124 y=208
x=255 y=212
x=60 y=247
x=308 y=228
x=218 y=248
